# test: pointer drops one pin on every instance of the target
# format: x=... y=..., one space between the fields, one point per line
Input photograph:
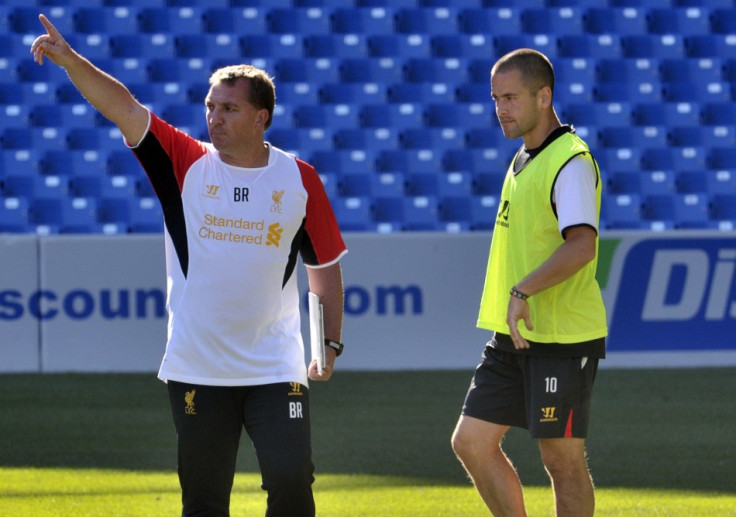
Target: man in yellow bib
x=540 y=299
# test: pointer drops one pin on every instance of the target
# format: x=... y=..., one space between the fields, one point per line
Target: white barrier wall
x=96 y=303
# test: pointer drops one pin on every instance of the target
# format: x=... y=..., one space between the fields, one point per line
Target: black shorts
x=549 y=396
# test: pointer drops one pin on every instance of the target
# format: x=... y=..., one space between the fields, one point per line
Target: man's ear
x=545 y=96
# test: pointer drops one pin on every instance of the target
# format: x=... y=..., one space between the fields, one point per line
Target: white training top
x=232 y=239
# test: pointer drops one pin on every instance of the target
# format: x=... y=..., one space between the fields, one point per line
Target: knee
x=567 y=463
x=461 y=442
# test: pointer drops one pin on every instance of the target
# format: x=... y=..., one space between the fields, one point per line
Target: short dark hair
x=262 y=92
x=536 y=70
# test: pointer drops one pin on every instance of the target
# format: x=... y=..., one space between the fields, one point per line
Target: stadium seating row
x=361 y=213
x=446 y=19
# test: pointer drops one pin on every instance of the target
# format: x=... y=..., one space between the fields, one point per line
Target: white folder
x=317 y=331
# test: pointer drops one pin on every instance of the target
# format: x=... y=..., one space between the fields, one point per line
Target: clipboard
x=317 y=331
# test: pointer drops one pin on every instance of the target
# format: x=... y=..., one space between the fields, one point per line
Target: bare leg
x=564 y=459
x=478 y=447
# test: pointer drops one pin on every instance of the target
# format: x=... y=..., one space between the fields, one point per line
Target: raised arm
x=110 y=97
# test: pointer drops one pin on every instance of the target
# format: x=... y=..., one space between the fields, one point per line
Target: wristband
x=518 y=294
x=336 y=345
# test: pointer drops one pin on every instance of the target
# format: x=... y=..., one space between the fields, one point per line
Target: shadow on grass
x=650 y=428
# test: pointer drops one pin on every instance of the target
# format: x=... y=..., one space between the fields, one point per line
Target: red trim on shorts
x=568 y=427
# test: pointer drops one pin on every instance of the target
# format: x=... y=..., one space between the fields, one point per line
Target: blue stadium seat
x=718 y=113
x=575 y=70
x=78 y=215
x=621 y=210
x=307 y=70
x=398 y=116
x=688 y=136
x=612 y=20
x=659 y=46
x=473 y=92
x=368 y=70
x=27 y=161
x=678 y=158
x=589 y=45
x=62 y=115
x=451 y=184
x=723 y=21
x=206 y=45
x=489 y=20
x=24 y=20
x=276 y=46
x=105 y=20
x=666 y=114
x=145 y=215
x=710 y=45
x=382 y=185
x=298 y=20
x=190 y=118
x=353 y=93
x=657 y=182
x=426 y=20
x=599 y=114
x=459 y=115
x=94 y=47
x=373 y=139
x=476 y=160
x=691 y=70
x=467 y=46
x=248 y=20
x=74 y=163
x=14 y=214
x=353 y=213
x=363 y=20
x=93 y=138
x=422 y=184
x=624 y=70
x=488 y=183
x=142 y=46
x=693 y=182
x=422 y=93
x=170 y=20
x=435 y=70
x=176 y=70
x=483 y=211
x=410 y=161
x=698 y=91
x=723 y=206
x=32 y=138
x=297 y=93
x=546 y=44
x=28 y=71
x=337 y=116
x=685 y=21
x=624 y=91
x=336 y=45
x=432 y=138
x=485 y=137
x=621 y=159
x=720 y=181
x=691 y=210
x=344 y=161
x=479 y=70
x=398 y=45
x=123 y=162
x=456 y=209
x=300 y=141
x=548 y=20
x=722 y=158
x=420 y=213
x=643 y=136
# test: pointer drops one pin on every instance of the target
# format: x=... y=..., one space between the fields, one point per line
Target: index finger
x=49 y=26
